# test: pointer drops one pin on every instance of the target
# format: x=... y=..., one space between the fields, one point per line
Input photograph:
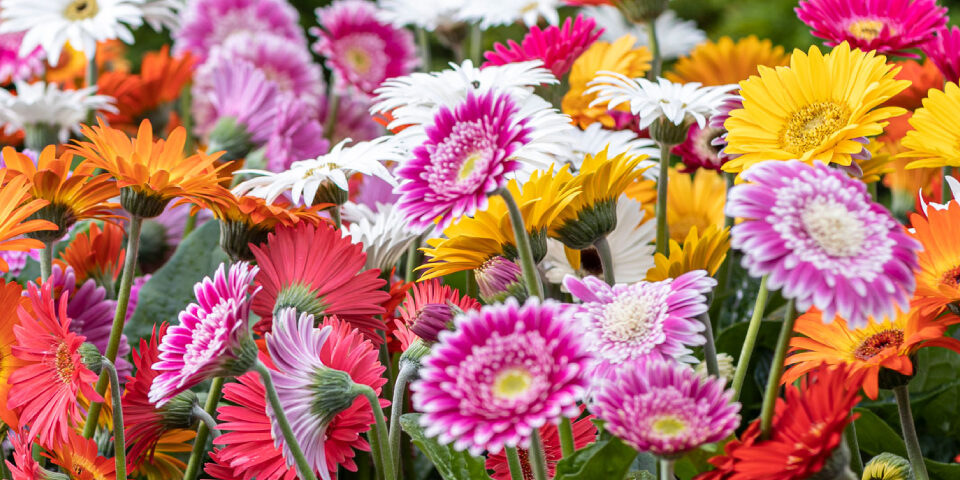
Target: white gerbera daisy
x=163 y=13
x=491 y=13
x=52 y=23
x=384 y=233
x=305 y=177
x=45 y=105
x=631 y=246
x=650 y=101
x=677 y=36
x=429 y=15
x=595 y=138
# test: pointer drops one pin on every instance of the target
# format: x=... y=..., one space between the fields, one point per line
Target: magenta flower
x=944 y=51
x=213 y=338
x=505 y=371
x=209 y=23
x=699 y=149
x=556 y=47
x=243 y=93
x=362 y=50
x=296 y=135
x=466 y=156
x=13 y=67
x=645 y=319
x=818 y=236
x=665 y=408
x=887 y=26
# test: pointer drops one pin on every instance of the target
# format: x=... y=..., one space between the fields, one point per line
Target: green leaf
x=876 y=437
x=602 y=459
x=171 y=288
x=451 y=464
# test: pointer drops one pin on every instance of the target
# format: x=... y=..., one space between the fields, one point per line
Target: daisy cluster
x=389 y=239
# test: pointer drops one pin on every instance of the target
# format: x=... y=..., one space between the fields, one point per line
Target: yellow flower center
x=878 y=342
x=358 y=60
x=512 y=383
x=81 y=10
x=628 y=317
x=65 y=365
x=839 y=232
x=669 y=425
x=468 y=165
x=809 y=126
x=867 y=29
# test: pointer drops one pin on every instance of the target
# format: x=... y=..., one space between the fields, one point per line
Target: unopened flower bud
x=499 y=278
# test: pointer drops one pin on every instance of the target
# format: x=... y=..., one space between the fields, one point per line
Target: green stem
x=872 y=190
x=657 y=62
x=751 y=339
x=119 y=317
x=92 y=74
x=4 y=471
x=207 y=419
x=189 y=226
x=423 y=44
x=410 y=273
x=538 y=456
x=567 y=446
x=333 y=107
x=119 y=446
x=407 y=372
x=476 y=44
x=472 y=287
x=606 y=260
x=529 y=267
x=776 y=369
x=186 y=117
x=380 y=433
x=666 y=469
x=513 y=460
x=46 y=260
x=335 y=215
x=709 y=348
x=303 y=468
x=850 y=435
x=200 y=442
x=945 y=194
x=910 y=433
x=663 y=232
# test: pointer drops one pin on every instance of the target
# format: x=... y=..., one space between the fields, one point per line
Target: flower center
x=838 y=231
x=879 y=342
x=65 y=365
x=809 y=126
x=867 y=29
x=512 y=383
x=951 y=277
x=358 y=60
x=464 y=154
x=628 y=317
x=669 y=425
x=81 y=10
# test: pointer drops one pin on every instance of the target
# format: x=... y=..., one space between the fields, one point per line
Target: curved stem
x=200 y=442
x=119 y=317
x=910 y=433
x=666 y=469
x=606 y=260
x=513 y=460
x=538 y=456
x=206 y=419
x=46 y=260
x=407 y=372
x=119 y=446
x=663 y=231
x=567 y=446
x=385 y=466
x=751 y=339
x=776 y=370
x=303 y=468
x=657 y=62
x=529 y=267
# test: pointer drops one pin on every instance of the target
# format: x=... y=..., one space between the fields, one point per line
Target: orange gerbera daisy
x=151 y=172
x=97 y=253
x=10 y=300
x=880 y=345
x=160 y=81
x=79 y=456
x=247 y=219
x=725 y=62
x=938 y=276
x=73 y=195
x=922 y=76
x=15 y=207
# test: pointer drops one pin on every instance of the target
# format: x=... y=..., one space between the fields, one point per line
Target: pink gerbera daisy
x=818 y=236
x=505 y=371
x=362 y=50
x=208 y=23
x=295 y=135
x=242 y=95
x=699 y=149
x=13 y=67
x=430 y=306
x=556 y=47
x=466 y=156
x=887 y=26
x=944 y=50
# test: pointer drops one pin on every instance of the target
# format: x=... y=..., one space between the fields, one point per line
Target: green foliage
x=608 y=458
x=451 y=464
x=876 y=437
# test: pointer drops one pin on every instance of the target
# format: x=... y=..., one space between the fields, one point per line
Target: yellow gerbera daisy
x=693 y=200
x=815 y=109
x=620 y=57
x=163 y=464
x=935 y=138
x=699 y=252
x=724 y=62
x=879 y=164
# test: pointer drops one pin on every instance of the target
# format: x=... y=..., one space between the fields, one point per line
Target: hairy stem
x=203 y=431
x=303 y=468
x=910 y=433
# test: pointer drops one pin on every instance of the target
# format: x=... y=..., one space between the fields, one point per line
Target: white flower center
x=839 y=232
x=628 y=317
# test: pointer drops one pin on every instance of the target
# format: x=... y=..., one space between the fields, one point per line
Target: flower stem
x=606 y=260
x=407 y=372
x=335 y=216
x=850 y=435
x=186 y=118
x=423 y=44
x=657 y=62
x=476 y=44
x=410 y=274
x=206 y=419
x=385 y=466
x=472 y=287
x=666 y=469
x=303 y=468
x=567 y=447
x=530 y=275
x=119 y=446
x=740 y=374
x=538 y=456
x=46 y=260
x=189 y=226
x=333 y=107
x=119 y=317
x=776 y=370
x=200 y=442
x=91 y=80
x=945 y=194
x=663 y=232
x=513 y=460
x=910 y=432
x=709 y=348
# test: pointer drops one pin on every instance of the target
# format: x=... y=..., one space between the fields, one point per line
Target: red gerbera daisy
x=584 y=433
x=96 y=254
x=10 y=299
x=23 y=466
x=807 y=426
x=44 y=390
x=556 y=46
x=443 y=299
x=315 y=270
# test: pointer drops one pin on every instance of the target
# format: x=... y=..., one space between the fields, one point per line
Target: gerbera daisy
x=556 y=47
x=97 y=253
x=937 y=274
x=151 y=173
x=584 y=433
x=81 y=22
x=726 y=62
x=665 y=408
x=466 y=156
x=247 y=220
x=15 y=212
x=427 y=294
x=80 y=457
x=42 y=391
x=594 y=139
x=622 y=57
x=822 y=125
x=213 y=338
x=491 y=13
x=15 y=67
x=887 y=466
x=362 y=50
x=819 y=237
x=934 y=140
x=704 y=251
x=159 y=82
x=891 y=27
x=700 y=150
x=942 y=49
x=48 y=110
x=327 y=281
x=10 y=299
x=23 y=466
x=296 y=135
x=505 y=371
x=384 y=234
x=165 y=462
x=242 y=106
x=923 y=77
x=303 y=356
x=431 y=15
x=676 y=36
x=693 y=200
x=208 y=23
